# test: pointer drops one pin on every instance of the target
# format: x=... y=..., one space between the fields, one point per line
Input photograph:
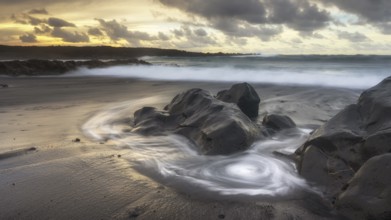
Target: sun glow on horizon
x=157 y=23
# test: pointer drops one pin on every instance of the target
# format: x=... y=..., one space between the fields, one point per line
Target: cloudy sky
x=256 y=26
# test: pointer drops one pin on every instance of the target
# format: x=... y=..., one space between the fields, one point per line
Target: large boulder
x=216 y=127
x=278 y=122
x=368 y=194
x=337 y=150
x=243 y=95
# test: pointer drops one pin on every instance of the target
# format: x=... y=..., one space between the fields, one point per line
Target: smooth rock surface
x=278 y=122
x=215 y=127
x=244 y=95
x=341 y=150
x=368 y=194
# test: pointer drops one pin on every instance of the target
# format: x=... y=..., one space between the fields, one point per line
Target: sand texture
x=49 y=169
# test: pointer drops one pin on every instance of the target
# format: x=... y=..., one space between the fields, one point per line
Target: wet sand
x=46 y=173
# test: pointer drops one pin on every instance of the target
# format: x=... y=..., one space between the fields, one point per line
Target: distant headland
x=93 y=52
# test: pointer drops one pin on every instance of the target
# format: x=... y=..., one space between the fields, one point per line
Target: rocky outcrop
x=56 y=67
x=244 y=96
x=368 y=193
x=336 y=152
x=216 y=127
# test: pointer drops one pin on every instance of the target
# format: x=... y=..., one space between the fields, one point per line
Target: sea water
x=355 y=72
x=174 y=161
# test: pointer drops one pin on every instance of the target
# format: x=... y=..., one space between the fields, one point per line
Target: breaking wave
x=345 y=72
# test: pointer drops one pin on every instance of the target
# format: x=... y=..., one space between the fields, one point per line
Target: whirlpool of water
x=173 y=160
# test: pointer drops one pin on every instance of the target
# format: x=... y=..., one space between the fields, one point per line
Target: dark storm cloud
x=68 y=36
x=228 y=15
x=42 y=29
x=34 y=21
x=113 y=29
x=116 y=31
x=352 y=37
x=193 y=37
x=163 y=36
x=28 y=38
x=318 y=36
x=178 y=33
x=299 y=14
x=251 y=11
x=41 y=11
x=26 y=19
x=95 y=32
x=200 y=32
x=371 y=10
x=385 y=27
x=57 y=22
x=242 y=29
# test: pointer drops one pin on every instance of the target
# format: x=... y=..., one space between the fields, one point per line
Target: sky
x=237 y=26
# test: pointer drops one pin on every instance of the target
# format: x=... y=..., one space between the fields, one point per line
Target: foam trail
x=343 y=78
x=174 y=161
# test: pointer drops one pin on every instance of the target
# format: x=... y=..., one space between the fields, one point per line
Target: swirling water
x=174 y=161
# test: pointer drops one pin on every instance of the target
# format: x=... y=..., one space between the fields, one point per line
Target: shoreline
x=66 y=179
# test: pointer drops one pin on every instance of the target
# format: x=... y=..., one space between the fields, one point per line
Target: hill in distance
x=90 y=52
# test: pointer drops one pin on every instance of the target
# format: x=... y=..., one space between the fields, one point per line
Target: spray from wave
x=342 y=78
x=173 y=161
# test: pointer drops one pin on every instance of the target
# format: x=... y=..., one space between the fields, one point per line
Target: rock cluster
x=350 y=156
x=217 y=125
x=56 y=67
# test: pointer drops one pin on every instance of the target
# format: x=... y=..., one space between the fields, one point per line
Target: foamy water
x=174 y=161
x=354 y=72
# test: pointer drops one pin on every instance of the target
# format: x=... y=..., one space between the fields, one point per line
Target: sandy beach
x=47 y=173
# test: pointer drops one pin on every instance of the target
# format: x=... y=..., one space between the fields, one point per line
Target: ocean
x=354 y=72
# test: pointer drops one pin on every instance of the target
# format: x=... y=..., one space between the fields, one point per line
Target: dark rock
x=136 y=212
x=368 y=194
x=334 y=152
x=221 y=216
x=215 y=126
x=278 y=122
x=3 y=85
x=377 y=144
x=150 y=121
x=77 y=140
x=56 y=67
x=244 y=95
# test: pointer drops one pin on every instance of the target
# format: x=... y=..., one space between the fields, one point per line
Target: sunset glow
x=253 y=26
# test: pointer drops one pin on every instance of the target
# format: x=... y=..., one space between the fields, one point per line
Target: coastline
x=64 y=179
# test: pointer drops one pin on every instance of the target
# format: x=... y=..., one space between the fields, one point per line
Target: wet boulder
x=244 y=96
x=368 y=193
x=150 y=121
x=338 y=149
x=216 y=127
x=278 y=122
